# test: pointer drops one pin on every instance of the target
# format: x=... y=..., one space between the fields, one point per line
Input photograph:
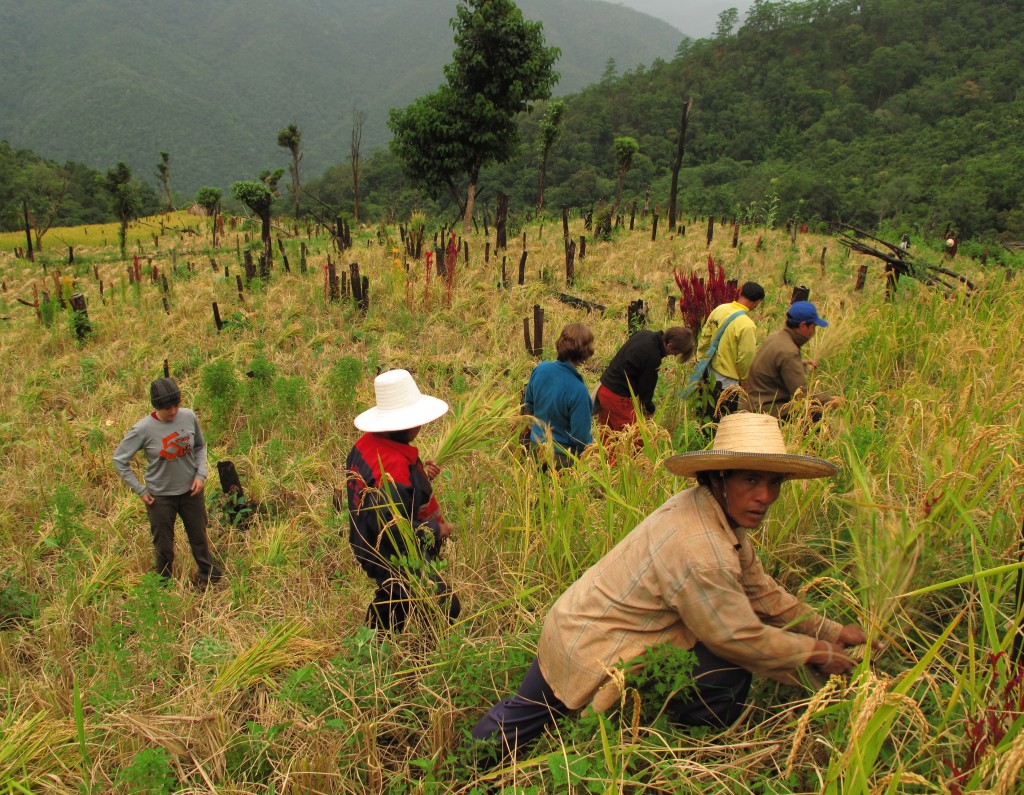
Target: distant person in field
x=779 y=371
x=395 y=523
x=736 y=345
x=176 y=472
x=558 y=399
x=688 y=576
x=633 y=371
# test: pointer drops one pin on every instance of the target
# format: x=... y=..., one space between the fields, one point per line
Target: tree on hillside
x=677 y=163
x=500 y=67
x=358 y=120
x=625 y=148
x=208 y=198
x=44 y=187
x=550 y=129
x=259 y=197
x=124 y=196
x=163 y=173
x=290 y=138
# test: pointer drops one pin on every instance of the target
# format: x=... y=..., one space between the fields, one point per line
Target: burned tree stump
x=570 y=263
x=862 y=276
x=216 y=317
x=238 y=510
x=636 y=316
x=711 y=229
x=81 y=316
x=800 y=293
x=522 y=269
x=538 y=330
x=500 y=222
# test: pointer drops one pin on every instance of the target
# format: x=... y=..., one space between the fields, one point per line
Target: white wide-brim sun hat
x=400 y=405
x=753 y=442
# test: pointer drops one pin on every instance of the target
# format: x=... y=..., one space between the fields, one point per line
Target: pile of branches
x=900 y=262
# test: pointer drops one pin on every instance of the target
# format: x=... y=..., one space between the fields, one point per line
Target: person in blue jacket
x=558 y=399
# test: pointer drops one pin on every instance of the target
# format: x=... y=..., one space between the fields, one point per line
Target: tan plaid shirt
x=681 y=576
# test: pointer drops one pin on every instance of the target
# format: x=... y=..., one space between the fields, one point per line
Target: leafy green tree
x=726 y=22
x=124 y=196
x=163 y=173
x=258 y=197
x=208 y=198
x=625 y=148
x=550 y=129
x=290 y=138
x=499 y=68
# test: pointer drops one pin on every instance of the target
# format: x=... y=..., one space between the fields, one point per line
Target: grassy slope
x=930 y=490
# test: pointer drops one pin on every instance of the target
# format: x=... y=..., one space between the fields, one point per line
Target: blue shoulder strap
x=702 y=366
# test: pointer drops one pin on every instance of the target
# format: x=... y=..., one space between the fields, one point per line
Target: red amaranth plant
x=429 y=258
x=698 y=296
x=997 y=714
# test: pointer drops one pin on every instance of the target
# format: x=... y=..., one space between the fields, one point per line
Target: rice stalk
x=488 y=414
x=31 y=750
x=272 y=651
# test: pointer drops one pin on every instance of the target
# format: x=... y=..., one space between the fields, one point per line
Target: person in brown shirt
x=686 y=576
x=779 y=371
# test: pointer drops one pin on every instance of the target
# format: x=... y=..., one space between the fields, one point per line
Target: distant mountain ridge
x=212 y=82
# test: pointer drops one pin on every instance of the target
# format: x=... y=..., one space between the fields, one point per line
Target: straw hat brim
x=424 y=410
x=793 y=466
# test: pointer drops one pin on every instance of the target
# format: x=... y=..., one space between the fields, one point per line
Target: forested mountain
x=212 y=82
x=852 y=110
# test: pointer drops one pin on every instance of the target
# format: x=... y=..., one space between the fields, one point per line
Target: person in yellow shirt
x=736 y=348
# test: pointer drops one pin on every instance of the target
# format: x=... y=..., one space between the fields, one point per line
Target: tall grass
x=270 y=683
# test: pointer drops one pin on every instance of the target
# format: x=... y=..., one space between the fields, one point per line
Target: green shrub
x=150 y=773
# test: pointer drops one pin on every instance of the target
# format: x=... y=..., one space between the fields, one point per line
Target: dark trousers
x=394 y=599
x=192 y=510
x=716 y=699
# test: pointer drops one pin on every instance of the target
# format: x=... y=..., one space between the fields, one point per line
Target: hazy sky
x=696 y=18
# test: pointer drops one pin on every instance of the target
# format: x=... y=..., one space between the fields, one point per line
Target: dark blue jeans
x=716 y=699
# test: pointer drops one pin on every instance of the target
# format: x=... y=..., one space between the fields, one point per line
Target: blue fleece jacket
x=557 y=396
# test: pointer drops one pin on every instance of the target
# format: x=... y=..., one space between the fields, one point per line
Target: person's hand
x=853 y=635
x=445 y=532
x=197 y=486
x=432 y=469
x=830 y=658
x=146 y=497
x=811 y=364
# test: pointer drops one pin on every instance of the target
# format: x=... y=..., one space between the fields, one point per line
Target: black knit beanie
x=164 y=393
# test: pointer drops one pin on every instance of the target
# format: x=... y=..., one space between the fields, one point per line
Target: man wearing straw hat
x=394 y=517
x=689 y=577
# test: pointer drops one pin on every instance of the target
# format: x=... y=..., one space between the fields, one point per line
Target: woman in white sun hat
x=687 y=576
x=394 y=518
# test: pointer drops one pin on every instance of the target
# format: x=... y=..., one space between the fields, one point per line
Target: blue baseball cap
x=804 y=312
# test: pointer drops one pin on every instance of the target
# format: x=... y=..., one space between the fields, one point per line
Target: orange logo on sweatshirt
x=175 y=446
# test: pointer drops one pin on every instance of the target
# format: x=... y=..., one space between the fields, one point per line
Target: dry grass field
x=270 y=683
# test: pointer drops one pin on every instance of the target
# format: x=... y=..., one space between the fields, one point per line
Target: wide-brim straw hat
x=400 y=405
x=750 y=441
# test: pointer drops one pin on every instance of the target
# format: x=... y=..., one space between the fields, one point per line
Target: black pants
x=716 y=699
x=394 y=599
x=192 y=510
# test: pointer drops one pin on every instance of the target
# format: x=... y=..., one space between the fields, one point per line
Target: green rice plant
x=32 y=750
x=486 y=416
x=280 y=647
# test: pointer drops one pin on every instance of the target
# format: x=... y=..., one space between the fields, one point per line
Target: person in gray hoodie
x=176 y=472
